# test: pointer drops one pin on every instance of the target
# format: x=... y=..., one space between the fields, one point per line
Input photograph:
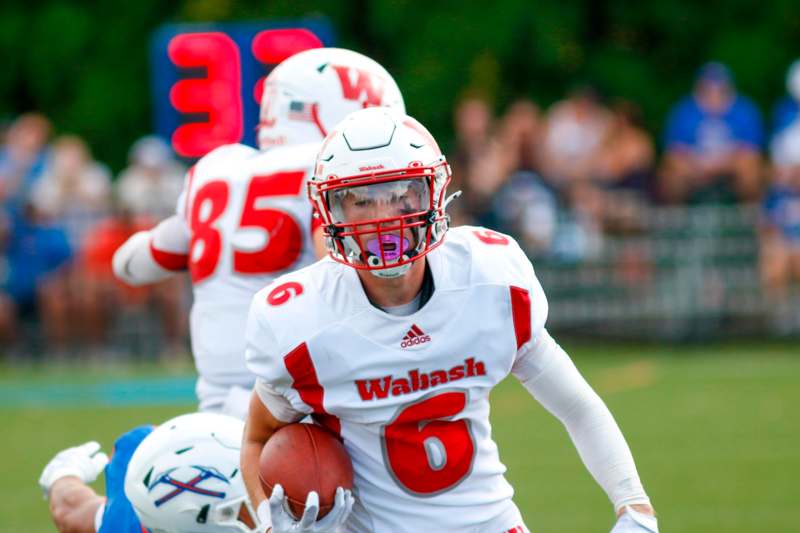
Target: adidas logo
x=414 y=336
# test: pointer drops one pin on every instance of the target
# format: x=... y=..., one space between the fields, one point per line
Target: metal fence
x=683 y=273
x=678 y=274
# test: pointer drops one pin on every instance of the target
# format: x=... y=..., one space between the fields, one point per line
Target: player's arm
x=270 y=410
x=260 y=425
x=73 y=504
x=549 y=375
x=153 y=255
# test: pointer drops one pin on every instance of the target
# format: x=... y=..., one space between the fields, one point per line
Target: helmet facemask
x=384 y=221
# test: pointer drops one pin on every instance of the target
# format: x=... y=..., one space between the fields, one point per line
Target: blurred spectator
x=519 y=137
x=74 y=189
x=32 y=258
x=620 y=183
x=102 y=295
x=511 y=150
x=473 y=122
x=150 y=186
x=787 y=111
x=712 y=142
x=516 y=199
x=780 y=232
x=574 y=132
x=626 y=158
x=22 y=157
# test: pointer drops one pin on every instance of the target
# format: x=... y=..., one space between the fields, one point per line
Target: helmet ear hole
x=373 y=260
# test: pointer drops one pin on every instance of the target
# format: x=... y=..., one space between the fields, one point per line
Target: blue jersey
x=781 y=209
x=690 y=126
x=785 y=114
x=118 y=514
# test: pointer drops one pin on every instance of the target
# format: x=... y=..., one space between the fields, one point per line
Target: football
x=302 y=458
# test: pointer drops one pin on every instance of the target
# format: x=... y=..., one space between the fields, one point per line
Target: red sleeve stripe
x=169 y=260
x=521 y=311
x=300 y=366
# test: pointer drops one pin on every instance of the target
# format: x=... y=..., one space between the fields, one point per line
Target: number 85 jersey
x=246 y=219
x=409 y=395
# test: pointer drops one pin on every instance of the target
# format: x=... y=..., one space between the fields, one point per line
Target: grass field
x=714 y=431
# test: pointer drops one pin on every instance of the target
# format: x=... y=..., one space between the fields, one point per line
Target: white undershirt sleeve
x=276 y=403
x=549 y=375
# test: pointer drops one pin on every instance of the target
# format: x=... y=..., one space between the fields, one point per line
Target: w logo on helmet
x=364 y=84
x=203 y=473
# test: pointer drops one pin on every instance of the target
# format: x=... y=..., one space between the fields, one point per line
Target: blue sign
x=207 y=78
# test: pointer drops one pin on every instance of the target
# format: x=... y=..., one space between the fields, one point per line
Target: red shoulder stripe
x=300 y=366
x=521 y=312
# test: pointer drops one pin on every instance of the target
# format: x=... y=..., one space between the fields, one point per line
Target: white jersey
x=409 y=395
x=249 y=220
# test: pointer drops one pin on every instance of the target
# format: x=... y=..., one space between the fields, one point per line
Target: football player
x=397 y=339
x=243 y=217
x=182 y=476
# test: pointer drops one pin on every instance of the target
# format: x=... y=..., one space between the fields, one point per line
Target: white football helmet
x=310 y=92
x=379 y=185
x=184 y=477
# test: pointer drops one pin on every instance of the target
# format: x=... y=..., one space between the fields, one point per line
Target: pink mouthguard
x=388 y=247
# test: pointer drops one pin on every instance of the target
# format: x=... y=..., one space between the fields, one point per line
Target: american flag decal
x=301 y=111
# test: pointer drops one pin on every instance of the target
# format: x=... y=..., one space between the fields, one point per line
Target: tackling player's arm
x=153 y=255
x=74 y=505
x=64 y=480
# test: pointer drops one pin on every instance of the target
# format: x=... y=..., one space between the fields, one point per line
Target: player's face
x=380 y=201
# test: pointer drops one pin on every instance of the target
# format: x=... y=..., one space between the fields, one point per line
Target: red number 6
x=488 y=236
x=284 y=292
x=425 y=450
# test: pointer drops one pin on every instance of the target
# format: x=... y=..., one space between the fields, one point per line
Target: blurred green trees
x=85 y=64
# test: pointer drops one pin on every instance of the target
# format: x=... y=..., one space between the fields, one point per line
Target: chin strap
x=391 y=272
x=450 y=199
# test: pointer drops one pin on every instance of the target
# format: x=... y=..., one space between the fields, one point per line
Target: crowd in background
x=62 y=216
x=560 y=179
